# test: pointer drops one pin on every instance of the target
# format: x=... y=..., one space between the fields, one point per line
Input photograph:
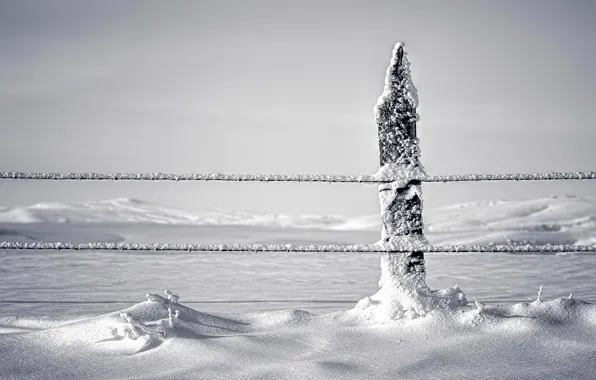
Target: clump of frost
x=173 y=298
x=173 y=317
x=539 y=297
x=136 y=328
x=165 y=324
x=364 y=303
x=403 y=243
x=399 y=174
x=479 y=305
x=156 y=298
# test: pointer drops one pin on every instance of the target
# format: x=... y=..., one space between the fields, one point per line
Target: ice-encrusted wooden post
x=403 y=292
x=401 y=203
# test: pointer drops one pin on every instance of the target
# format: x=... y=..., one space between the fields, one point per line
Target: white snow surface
x=152 y=340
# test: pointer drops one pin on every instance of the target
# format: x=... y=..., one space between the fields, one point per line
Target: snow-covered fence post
x=401 y=203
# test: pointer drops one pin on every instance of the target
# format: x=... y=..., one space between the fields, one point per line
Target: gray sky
x=288 y=87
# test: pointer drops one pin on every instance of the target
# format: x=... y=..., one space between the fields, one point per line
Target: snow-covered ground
x=238 y=317
x=552 y=339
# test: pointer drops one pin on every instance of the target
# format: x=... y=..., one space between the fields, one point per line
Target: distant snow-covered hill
x=555 y=220
x=128 y=210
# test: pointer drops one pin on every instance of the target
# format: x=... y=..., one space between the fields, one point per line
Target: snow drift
x=163 y=339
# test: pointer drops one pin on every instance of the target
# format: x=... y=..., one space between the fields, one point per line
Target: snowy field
x=60 y=311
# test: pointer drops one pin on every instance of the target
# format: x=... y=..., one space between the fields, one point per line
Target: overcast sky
x=289 y=87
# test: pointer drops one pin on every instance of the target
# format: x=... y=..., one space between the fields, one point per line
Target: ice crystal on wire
x=392 y=247
x=385 y=174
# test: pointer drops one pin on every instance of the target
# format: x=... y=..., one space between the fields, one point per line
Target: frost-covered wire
x=329 y=248
x=188 y=177
x=550 y=176
x=192 y=247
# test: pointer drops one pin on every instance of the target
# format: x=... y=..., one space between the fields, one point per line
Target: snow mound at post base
x=390 y=304
x=536 y=340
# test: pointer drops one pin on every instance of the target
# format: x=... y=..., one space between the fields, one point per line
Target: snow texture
x=532 y=340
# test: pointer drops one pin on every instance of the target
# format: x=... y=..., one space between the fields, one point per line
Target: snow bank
x=535 y=340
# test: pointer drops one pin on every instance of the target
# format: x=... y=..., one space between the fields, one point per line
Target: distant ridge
x=132 y=210
x=558 y=219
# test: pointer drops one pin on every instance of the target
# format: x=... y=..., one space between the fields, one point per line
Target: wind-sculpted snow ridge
x=407 y=246
x=161 y=327
x=547 y=176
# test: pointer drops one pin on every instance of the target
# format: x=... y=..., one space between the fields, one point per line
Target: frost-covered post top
x=395 y=113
